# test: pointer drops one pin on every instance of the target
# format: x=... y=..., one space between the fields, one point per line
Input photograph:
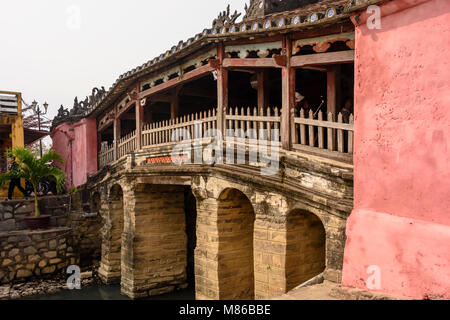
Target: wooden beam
x=323 y=58
x=251 y=63
x=160 y=98
x=190 y=76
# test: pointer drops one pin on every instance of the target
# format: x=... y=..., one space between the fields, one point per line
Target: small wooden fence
x=193 y=126
x=126 y=144
x=106 y=156
x=251 y=123
x=315 y=133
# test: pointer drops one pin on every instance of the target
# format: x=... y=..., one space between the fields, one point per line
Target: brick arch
x=335 y=226
x=305 y=247
x=235 y=224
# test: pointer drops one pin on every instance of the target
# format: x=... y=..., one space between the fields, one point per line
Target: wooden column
x=116 y=137
x=287 y=94
x=222 y=90
x=175 y=104
x=263 y=90
x=139 y=119
x=333 y=89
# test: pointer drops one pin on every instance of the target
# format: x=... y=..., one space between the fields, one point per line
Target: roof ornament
x=224 y=18
x=250 y=10
x=79 y=107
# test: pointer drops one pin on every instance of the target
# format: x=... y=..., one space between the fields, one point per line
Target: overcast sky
x=51 y=53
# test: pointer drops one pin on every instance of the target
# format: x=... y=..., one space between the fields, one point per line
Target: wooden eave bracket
x=280 y=60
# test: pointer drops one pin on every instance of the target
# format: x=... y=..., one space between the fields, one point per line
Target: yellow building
x=11 y=129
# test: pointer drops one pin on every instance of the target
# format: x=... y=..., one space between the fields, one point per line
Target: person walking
x=14 y=182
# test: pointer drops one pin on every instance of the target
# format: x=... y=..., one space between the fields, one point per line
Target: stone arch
x=305 y=247
x=110 y=266
x=235 y=224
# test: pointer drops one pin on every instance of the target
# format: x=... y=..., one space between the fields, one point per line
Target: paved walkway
x=316 y=292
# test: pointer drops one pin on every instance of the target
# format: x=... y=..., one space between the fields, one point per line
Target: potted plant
x=34 y=170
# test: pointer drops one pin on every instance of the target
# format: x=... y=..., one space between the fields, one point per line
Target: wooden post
x=263 y=90
x=287 y=94
x=222 y=90
x=174 y=104
x=139 y=120
x=333 y=89
x=116 y=137
x=17 y=131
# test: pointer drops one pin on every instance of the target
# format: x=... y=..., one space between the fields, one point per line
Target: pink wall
x=77 y=142
x=401 y=220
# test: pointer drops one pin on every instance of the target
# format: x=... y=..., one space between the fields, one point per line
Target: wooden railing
x=252 y=123
x=315 y=133
x=106 y=156
x=193 y=126
x=126 y=144
x=309 y=133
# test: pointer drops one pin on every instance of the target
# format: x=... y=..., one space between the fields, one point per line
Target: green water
x=110 y=292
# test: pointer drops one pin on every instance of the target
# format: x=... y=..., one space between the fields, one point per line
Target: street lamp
x=37 y=110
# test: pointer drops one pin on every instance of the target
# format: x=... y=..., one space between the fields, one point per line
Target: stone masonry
x=256 y=237
x=34 y=254
x=154 y=253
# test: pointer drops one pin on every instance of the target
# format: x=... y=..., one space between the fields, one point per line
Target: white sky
x=48 y=56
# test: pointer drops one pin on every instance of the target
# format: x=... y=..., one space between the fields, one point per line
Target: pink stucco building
x=401 y=219
x=77 y=142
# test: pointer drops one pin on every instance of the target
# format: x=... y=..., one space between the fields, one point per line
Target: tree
x=34 y=170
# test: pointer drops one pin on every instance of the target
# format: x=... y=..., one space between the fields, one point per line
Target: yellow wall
x=17 y=137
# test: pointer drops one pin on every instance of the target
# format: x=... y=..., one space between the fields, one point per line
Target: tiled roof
x=310 y=16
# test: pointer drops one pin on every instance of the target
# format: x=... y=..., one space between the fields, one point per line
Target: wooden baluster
x=158 y=134
x=242 y=123
x=150 y=134
x=350 y=135
x=340 y=135
x=277 y=114
x=269 y=125
x=248 y=123
x=197 y=126
x=311 y=130
x=330 y=133
x=255 y=123
x=236 y=123
x=214 y=114
x=294 y=132
x=230 y=122
x=261 y=126
x=204 y=124
x=320 y=129
x=302 y=128
x=208 y=123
